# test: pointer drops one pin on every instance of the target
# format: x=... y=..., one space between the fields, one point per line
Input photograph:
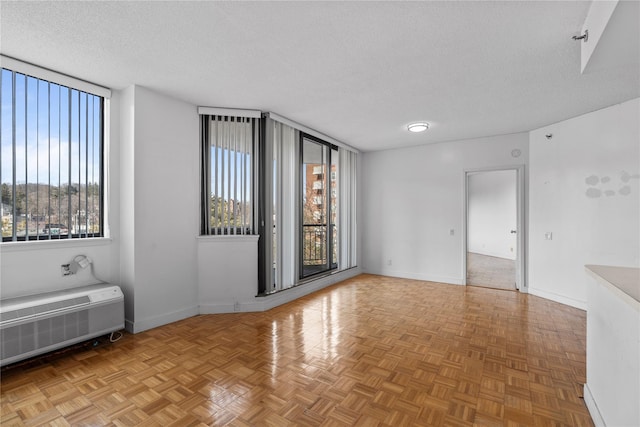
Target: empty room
x=320 y=213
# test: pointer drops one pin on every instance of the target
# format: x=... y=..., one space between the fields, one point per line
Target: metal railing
x=314 y=244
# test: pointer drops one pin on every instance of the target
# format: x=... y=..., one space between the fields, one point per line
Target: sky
x=44 y=113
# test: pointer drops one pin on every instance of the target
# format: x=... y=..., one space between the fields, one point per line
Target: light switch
x=548 y=235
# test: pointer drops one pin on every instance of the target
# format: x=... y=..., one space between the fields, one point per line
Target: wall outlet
x=452 y=232
x=389 y=262
x=548 y=235
x=65 y=270
x=236 y=306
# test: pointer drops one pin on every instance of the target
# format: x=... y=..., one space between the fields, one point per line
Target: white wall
x=160 y=207
x=30 y=268
x=227 y=273
x=492 y=211
x=585 y=189
x=413 y=197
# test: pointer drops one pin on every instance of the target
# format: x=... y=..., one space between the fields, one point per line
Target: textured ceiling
x=357 y=71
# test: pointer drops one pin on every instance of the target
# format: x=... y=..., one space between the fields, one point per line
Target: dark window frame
x=330 y=265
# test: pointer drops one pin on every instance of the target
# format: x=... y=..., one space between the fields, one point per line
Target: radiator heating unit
x=36 y=324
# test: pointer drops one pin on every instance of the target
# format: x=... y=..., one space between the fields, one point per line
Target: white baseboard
x=153 y=322
x=264 y=303
x=582 y=305
x=416 y=276
x=224 y=307
x=596 y=416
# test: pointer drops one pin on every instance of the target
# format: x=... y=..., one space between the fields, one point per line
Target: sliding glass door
x=318 y=203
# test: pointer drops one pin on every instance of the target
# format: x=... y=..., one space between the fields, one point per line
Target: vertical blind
x=348 y=236
x=285 y=205
x=228 y=178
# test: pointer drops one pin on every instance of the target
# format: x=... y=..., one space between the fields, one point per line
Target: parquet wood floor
x=370 y=351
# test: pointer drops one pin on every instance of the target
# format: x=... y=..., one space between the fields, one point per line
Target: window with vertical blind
x=228 y=190
x=51 y=157
x=308 y=211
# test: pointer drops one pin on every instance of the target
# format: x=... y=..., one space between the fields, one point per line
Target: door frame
x=522 y=231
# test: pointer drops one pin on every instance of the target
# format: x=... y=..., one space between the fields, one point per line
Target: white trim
x=582 y=305
x=128 y=326
x=53 y=76
x=310 y=131
x=238 y=238
x=163 y=319
x=233 y=112
x=34 y=245
x=596 y=416
x=106 y=169
x=264 y=303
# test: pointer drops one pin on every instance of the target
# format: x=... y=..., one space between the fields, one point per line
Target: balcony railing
x=314 y=241
x=314 y=251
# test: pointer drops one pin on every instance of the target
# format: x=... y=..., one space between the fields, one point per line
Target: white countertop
x=625 y=280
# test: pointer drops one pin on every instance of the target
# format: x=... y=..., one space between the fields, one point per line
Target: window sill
x=229 y=238
x=53 y=244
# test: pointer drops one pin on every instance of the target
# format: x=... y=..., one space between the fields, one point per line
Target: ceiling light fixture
x=418 y=127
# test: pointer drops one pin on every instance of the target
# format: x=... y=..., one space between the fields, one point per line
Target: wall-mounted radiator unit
x=37 y=324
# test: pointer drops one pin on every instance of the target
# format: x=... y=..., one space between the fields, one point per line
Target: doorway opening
x=493 y=255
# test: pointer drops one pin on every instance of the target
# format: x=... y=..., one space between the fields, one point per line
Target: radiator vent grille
x=28 y=337
x=37 y=324
x=44 y=308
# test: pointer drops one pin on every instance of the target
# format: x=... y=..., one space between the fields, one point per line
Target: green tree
x=6 y=194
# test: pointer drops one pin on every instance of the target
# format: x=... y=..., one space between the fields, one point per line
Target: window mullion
x=240 y=164
x=86 y=167
x=76 y=213
x=59 y=154
x=26 y=160
x=69 y=165
x=14 y=152
x=216 y=207
x=234 y=172
x=229 y=175
x=26 y=141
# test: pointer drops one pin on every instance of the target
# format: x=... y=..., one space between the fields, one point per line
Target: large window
x=51 y=159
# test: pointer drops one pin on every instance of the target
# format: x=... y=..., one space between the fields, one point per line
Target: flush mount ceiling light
x=418 y=127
